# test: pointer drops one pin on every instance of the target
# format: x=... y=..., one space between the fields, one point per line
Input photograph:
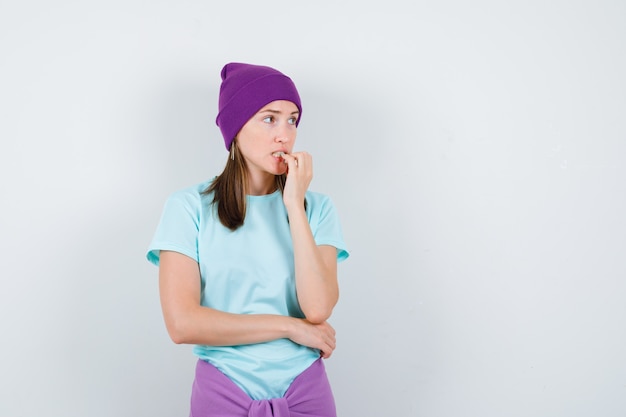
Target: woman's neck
x=261 y=184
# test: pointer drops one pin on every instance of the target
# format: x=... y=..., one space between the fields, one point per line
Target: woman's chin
x=279 y=170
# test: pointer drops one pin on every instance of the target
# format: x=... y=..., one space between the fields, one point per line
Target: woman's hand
x=299 y=176
x=318 y=336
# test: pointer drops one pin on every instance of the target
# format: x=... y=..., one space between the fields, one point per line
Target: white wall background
x=475 y=151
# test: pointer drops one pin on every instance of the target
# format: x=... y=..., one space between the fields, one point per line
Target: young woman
x=248 y=261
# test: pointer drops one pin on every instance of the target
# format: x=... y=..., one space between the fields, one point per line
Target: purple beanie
x=245 y=90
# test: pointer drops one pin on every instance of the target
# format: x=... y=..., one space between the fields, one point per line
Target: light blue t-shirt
x=248 y=271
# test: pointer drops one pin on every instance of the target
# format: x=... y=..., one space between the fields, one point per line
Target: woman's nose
x=284 y=133
x=282 y=136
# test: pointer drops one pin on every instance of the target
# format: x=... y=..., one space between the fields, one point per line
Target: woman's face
x=272 y=129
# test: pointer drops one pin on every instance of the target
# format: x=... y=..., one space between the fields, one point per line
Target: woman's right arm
x=189 y=322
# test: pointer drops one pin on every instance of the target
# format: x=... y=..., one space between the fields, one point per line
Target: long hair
x=230 y=189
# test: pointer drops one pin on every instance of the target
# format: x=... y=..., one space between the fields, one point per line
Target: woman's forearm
x=207 y=326
x=315 y=268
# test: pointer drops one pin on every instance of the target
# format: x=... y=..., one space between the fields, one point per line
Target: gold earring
x=232 y=151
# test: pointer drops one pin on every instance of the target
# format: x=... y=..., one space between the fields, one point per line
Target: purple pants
x=215 y=395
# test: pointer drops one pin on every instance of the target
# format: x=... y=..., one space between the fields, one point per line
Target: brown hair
x=230 y=189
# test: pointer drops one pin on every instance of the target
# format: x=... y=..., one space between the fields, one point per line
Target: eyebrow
x=277 y=111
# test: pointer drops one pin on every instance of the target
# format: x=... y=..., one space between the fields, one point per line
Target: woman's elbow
x=177 y=331
x=320 y=311
x=178 y=338
x=318 y=315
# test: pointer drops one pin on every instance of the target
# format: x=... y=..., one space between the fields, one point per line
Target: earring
x=232 y=151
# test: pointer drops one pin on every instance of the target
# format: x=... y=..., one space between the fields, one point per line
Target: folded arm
x=187 y=321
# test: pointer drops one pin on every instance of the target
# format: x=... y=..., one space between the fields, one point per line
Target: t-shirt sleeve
x=326 y=227
x=178 y=227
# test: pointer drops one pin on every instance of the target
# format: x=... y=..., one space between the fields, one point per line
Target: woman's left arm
x=315 y=266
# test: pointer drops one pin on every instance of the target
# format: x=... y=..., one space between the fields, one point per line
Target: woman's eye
x=268 y=119
x=292 y=121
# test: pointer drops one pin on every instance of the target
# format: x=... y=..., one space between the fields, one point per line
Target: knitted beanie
x=245 y=90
